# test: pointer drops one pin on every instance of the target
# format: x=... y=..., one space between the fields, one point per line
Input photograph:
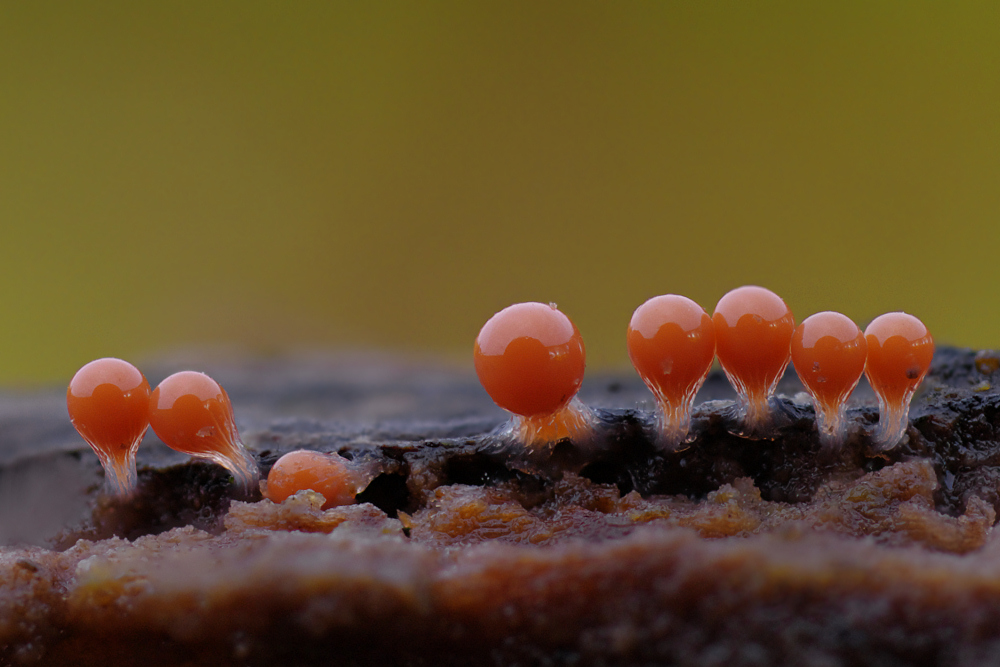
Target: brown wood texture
x=465 y=548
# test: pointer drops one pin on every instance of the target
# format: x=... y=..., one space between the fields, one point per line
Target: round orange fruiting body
x=829 y=353
x=327 y=474
x=900 y=351
x=530 y=359
x=753 y=334
x=191 y=413
x=671 y=342
x=108 y=401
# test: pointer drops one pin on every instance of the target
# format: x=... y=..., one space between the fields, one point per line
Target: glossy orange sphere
x=671 y=342
x=191 y=413
x=753 y=334
x=530 y=359
x=829 y=353
x=900 y=350
x=326 y=474
x=108 y=403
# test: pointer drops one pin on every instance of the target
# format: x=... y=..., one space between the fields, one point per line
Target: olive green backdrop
x=390 y=174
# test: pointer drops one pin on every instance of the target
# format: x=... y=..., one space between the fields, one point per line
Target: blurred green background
x=276 y=175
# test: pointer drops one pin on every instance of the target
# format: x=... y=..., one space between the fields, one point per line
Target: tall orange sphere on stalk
x=191 y=413
x=829 y=353
x=753 y=334
x=671 y=342
x=108 y=402
x=900 y=351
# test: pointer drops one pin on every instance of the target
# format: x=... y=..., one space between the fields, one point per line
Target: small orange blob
x=327 y=474
x=900 y=350
x=107 y=402
x=191 y=413
x=671 y=342
x=530 y=359
x=753 y=334
x=829 y=352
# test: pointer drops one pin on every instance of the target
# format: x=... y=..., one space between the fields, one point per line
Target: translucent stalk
x=120 y=477
x=574 y=422
x=831 y=421
x=753 y=409
x=893 y=418
x=229 y=451
x=237 y=460
x=673 y=417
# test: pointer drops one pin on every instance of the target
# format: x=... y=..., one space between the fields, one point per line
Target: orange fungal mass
x=753 y=333
x=671 y=342
x=900 y=350
x=191 y=413
x=829 y=352
x=108 y=402
x=326 y=474
x=530 y=359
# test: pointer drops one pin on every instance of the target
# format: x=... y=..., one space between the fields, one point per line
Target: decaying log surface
x=464 y=547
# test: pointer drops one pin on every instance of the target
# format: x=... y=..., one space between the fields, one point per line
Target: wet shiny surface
x=530 y=358
x=108 y=403
x=753 y=333
x=671 y=342
x=829 y=352
x=900 y=350
x=326 y=474
x=191 y=413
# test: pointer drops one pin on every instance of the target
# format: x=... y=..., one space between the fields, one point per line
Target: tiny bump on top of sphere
x=530 y=358
x=671 y=342
x=829 y=353
x=326 y=474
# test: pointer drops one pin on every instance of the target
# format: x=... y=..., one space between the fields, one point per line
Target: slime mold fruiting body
x=108 y=403
x=828 y=353
x=753 y=333
x=327 y=474
x=671 y=342
x=530 y=359
x=900 y=350
x=191 y=413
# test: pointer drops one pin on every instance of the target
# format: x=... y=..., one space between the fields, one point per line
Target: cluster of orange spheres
x=110 y=404
x=530 y=359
